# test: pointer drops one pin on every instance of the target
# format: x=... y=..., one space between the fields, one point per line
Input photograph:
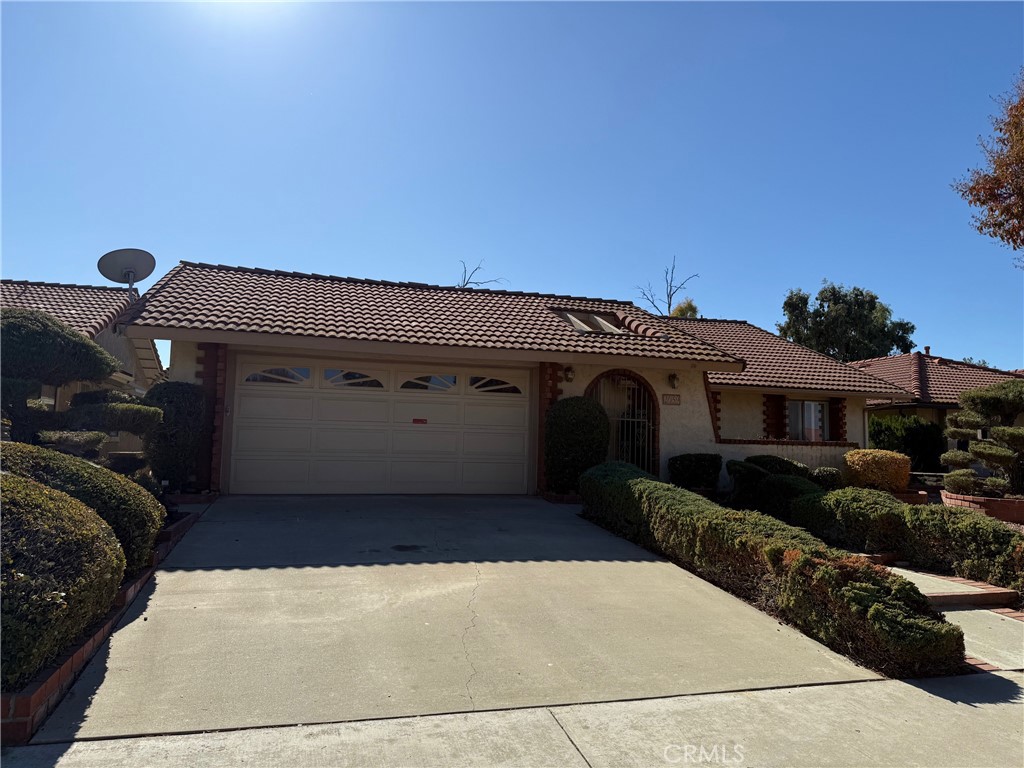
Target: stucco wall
x=741 y=415
x=184 y=362
x=119 y=347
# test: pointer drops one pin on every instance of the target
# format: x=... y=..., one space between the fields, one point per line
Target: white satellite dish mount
x=126 y=265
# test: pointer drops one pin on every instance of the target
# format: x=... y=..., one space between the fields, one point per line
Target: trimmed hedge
x=746 y=480
x=174 y=446
x=132 y=512
x=85 y=445
x=776 y=493
x=858 y=519
x=37 y=347
x=695 y=470
x=921 y=440
x=967 y=542
x=827 y=478
x=962 y=481
x=115 y=417
x=61 y=569
x=856 y=608
x=576 y=437
x=777 y=465
x=881 y=470
x=102 y=396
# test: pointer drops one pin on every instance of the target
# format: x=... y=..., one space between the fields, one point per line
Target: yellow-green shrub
x=881 y=470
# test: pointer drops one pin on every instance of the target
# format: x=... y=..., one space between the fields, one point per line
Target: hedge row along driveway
x=861 y=610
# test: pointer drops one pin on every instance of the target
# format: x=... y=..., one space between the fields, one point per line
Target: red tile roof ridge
x=918 y=374
x=45 y=284
x=711 y=320
x=393 y=283
x=941 y=361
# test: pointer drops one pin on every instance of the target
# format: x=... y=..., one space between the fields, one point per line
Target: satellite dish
x=126 y=265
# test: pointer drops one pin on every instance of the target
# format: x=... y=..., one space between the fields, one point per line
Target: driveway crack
x=472 y=625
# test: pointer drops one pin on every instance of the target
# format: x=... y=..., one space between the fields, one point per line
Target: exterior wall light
x=673 y=380
x=569 y=373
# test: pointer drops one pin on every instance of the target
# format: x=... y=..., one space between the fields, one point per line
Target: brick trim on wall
x=837 y=419
x=826 y=443
x=551 y=378
x=775 y=416
x=212 y=374
x=714 y=408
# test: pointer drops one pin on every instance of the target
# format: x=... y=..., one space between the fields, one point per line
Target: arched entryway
x=633 y=412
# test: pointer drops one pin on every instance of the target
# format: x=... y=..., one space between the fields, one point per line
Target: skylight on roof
x=591 y=322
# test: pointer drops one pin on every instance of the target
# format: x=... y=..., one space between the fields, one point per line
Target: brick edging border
x=23 y=712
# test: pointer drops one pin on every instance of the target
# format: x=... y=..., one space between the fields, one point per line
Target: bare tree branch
x=650 y=294
x=468 y=274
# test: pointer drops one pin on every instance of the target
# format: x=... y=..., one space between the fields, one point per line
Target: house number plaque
x=671 y=399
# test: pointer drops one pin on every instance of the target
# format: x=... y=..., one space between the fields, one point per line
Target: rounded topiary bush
x=576 y=438
x=172 y=448
x=695 y=470
x=61 y=569
x=829 y=478
x=880 y=470
x=777 y=465
x=131 y=511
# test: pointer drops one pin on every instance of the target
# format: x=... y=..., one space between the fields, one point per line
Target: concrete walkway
x=280 y=611
x=974 y=720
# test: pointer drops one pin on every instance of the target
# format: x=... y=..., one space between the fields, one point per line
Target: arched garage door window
x=633 y=411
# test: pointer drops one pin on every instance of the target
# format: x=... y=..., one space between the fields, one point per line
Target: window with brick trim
x=808 y=420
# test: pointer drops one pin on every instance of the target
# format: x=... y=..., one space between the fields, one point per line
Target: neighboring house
x=91 y=310
x=789 y=400
x=339 y=385
x=935 y=383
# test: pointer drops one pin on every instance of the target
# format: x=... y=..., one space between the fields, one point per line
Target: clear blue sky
x=575 y=148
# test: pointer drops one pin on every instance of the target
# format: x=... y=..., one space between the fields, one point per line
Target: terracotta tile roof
x=775 y=363
x=215 y=298
x=88 y=309
x=933 y=379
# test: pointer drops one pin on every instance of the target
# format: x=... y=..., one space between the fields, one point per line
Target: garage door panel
x=468 y=432
x=348 y=471
x=494 y=444
x=266 y=439
x=426 y=411
x=425 y=472
x=342 y=440
x=493 y=473
x=264 y=406
x=280 y=470
x=360 y=410
x=495 y=415
x=425 y=441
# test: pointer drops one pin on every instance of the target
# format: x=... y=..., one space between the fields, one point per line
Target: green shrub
x=103 y=396
x=828 y=478
x=777 y=465
x=134 y=515
x=85 y=445
x=995 y=408
x=861 y=610
x=144 y=477
x=881 y=470
x=61 y=570
x=921 y=440
x=695 y=470
x=995 y=486
x=957 y=459
x=961 y=481
x=35 y=346
x=173 y=447
x=777 y=492
x=858 y=519
x=746 y=480
x=115 y=417
x=125 y=464
x=576 y=437
x=967 y=542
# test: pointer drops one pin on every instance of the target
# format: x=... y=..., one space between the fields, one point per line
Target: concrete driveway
x=289 y=610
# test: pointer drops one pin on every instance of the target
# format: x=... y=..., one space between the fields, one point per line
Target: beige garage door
x=303 y=426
